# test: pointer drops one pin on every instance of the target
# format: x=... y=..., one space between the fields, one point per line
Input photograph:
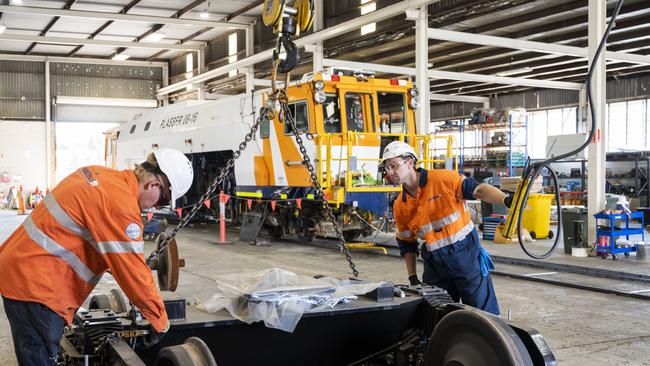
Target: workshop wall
x=22 y=155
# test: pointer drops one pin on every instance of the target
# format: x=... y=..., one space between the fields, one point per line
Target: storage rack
x=639 y=179
x=516 y=153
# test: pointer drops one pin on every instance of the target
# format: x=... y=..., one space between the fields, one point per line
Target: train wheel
x=194 y=352
x=474 y=338
x=113 y=301
x=308 y=232
x=275 y=231
x=350 y=235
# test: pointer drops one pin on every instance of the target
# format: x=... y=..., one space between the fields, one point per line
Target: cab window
x=331 y=114
x=300 y=114
x=354 y=112
x=392 y=112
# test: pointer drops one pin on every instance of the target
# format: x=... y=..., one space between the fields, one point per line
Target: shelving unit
x=637 y=182
x=515 y=151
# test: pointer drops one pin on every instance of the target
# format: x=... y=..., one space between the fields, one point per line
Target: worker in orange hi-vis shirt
x=90 y=223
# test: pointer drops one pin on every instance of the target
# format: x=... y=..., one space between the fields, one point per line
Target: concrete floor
x=582 y=327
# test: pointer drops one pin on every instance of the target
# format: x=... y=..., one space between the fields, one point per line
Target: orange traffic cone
x=21 y=201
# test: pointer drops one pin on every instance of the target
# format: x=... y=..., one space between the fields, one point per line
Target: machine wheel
x=308 y=232
x=167 y=265
x=604 y=255
x=474 y=338
x=275 y=231
x=307 y=236
x=350 y=235
x=627 y=254
x=551 y=234
x=194 y=352
x=533 y=235
x=614 y=257
x=113 y=301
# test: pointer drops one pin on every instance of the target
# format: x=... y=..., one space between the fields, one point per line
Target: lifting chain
x=216 y=182
x=306 y=161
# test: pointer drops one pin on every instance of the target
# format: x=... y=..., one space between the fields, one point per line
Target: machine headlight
x=319 y=84
x=415 y=102
x=414 y=92
x=319 y=97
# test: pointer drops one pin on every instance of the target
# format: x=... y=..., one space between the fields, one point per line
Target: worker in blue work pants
x=431 y=208
x=458 y=269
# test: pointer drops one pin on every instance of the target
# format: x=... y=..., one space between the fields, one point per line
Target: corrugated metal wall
x=452 y=110
x=536 y=99
x=638 y=87
x=104 y=81
x=22 y=84
x=21 y=90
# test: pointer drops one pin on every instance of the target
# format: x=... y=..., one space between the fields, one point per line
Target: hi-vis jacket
x=89 y=223
x=437 y=215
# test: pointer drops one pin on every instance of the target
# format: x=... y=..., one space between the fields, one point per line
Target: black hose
x=532 y=171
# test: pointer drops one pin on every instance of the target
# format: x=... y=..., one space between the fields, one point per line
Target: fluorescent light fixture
x=368 y=28
x=189 y=68
x=121 y=57
x=154 y=37
x=520 y=70
x=232 y=52
x=205 y=14
x=15 y=2
x=2 y=28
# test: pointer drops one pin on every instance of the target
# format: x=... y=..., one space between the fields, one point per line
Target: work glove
x=486 y=262
x=413 y=280
x=508 y=200
x=154 y=336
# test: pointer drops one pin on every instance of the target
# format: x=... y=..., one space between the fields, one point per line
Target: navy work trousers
x=457 y=269
x=36 y=331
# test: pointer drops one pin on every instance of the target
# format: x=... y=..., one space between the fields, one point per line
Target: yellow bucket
x=537 y=215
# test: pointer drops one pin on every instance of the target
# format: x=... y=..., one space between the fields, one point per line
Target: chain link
x=279 y=96
x=306 y=161
x=216 y=182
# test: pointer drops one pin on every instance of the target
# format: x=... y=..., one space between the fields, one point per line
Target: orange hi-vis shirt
x=438 y=214
x=89 y=223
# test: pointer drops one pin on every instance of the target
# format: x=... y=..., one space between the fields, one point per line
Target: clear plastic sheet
x=279 y=297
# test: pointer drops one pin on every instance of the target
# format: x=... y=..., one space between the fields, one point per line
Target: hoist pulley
x=287 y=22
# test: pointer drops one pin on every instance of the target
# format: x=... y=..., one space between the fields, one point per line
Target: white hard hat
x=178 y=170
x=395 y=149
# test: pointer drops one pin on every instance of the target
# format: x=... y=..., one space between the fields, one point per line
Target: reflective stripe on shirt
x=65 y=220
x=120 y=247
x=406 y=234
x=59 y=251
x=434 y=225
x=461 y=234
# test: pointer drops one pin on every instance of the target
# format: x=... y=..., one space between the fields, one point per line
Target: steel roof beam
x=203 y=30
x=50 y=25
x=381 y=14
x=79 y=60
x=94 y=34
x=49 y=12
x=459 y=98
x=399 y=70
x=519 y=44
x=95 y=42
